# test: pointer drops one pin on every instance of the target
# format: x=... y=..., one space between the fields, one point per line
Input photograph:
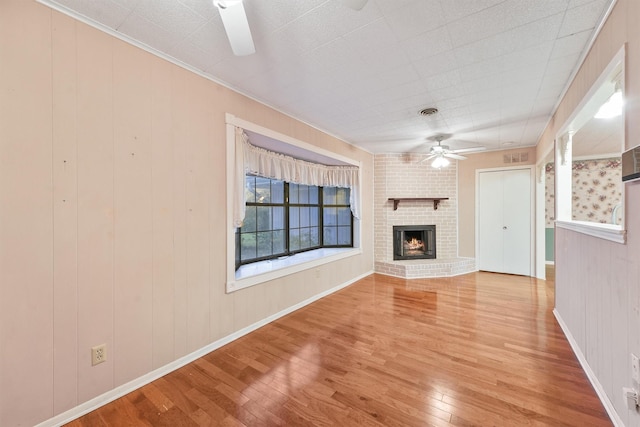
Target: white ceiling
x=495 y=69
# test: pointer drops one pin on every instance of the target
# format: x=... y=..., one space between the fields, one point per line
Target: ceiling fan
x=236 y=25
x=440 y=154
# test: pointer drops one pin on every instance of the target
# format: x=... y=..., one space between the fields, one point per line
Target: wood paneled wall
x=113 y=211
x=597 y=281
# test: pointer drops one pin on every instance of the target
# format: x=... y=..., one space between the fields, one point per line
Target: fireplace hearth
x=414 y=242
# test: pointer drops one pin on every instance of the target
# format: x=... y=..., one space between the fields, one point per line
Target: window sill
x=264 y=271
x=611 y=232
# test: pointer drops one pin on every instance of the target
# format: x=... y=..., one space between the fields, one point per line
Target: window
x=589 y=190
x=337 y=219
x=285 y=218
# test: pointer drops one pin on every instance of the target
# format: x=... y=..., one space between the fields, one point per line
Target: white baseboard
x=135 y=384
x=615 y=418
x=550 y=262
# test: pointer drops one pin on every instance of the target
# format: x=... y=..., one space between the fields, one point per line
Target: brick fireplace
x=403 y=176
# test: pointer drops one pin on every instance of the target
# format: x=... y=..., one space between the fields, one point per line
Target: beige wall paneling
x=631 y=274
x=162 y=214
x=179 y=115
x=197 y=180
x=221 y=304
x=26 y=216
x=112 y=215
x=597 y=285
x=631 y=259
x=619 y=330
x=95 y=307
x=133 y=268
x=65 y=213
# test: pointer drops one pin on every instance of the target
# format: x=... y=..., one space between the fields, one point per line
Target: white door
x=504 y=221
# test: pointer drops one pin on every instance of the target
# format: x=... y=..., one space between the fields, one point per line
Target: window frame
x=564 y=161
x=287 y=205
x=266 y=271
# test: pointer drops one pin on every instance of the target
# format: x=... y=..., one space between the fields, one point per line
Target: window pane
x=265 y=243
x=294 y=239
x=313 y=195
x=330 y=236
x=277 y=191
x=342 y=196
x=304 y=217
x=293 y=193
x=264 y=218
x=344 y=216
x=248 y=246
x=344 y=235
x=330 y=216
x=278 y=242
x=314 y=236
x=263 y=190
x=304 y=238
x=329 y=195
x=313 y=217
x=278 y=218
x=294 y=217
x=249 y=223
x=303 y=195
x=250 y=188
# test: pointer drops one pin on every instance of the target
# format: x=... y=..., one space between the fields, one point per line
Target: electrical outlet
x=98 y=354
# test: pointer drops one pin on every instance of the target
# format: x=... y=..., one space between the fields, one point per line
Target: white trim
x=550 y=262
x=293 y=267
x=563 y=183
x=615 y=418
x=614 y=233
x=135 y=384
x=604 y=156
x=532 y=237
x=232 y=284
x=541 y=193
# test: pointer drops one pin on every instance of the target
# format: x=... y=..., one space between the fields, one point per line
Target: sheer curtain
x=269 y=164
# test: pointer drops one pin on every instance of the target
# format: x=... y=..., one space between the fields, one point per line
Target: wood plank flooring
x=481 y=349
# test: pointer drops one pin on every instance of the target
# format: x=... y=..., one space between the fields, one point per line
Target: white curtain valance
x=269 y=164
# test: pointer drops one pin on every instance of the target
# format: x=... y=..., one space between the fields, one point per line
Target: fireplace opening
x=414 y=242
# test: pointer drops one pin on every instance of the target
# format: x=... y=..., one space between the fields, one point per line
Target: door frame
x=532 y=213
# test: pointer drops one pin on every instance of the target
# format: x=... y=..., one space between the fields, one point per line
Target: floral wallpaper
x=597 y=189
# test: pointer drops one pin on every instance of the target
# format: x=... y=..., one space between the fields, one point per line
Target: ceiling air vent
x=428 y=111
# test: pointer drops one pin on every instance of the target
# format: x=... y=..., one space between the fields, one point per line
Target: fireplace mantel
x=436 y=200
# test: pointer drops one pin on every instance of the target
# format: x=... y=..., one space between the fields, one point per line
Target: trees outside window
x=285 y=218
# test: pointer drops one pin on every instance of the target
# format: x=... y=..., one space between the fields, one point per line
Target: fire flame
x=414 y=244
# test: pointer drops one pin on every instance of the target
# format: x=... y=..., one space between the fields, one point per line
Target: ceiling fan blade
x=454 y=156
x=236 y=25
x=355 y=4
x=432 y=156
x=469 y=150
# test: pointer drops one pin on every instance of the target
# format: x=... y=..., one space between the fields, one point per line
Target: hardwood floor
x=481 y=349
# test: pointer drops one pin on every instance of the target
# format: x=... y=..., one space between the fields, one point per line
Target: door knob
x=504 y=228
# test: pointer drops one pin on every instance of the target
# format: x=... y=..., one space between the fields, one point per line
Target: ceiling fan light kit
x=440 y=162
x=236 y=25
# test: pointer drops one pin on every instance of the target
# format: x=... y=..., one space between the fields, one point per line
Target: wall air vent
x=516 y=157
